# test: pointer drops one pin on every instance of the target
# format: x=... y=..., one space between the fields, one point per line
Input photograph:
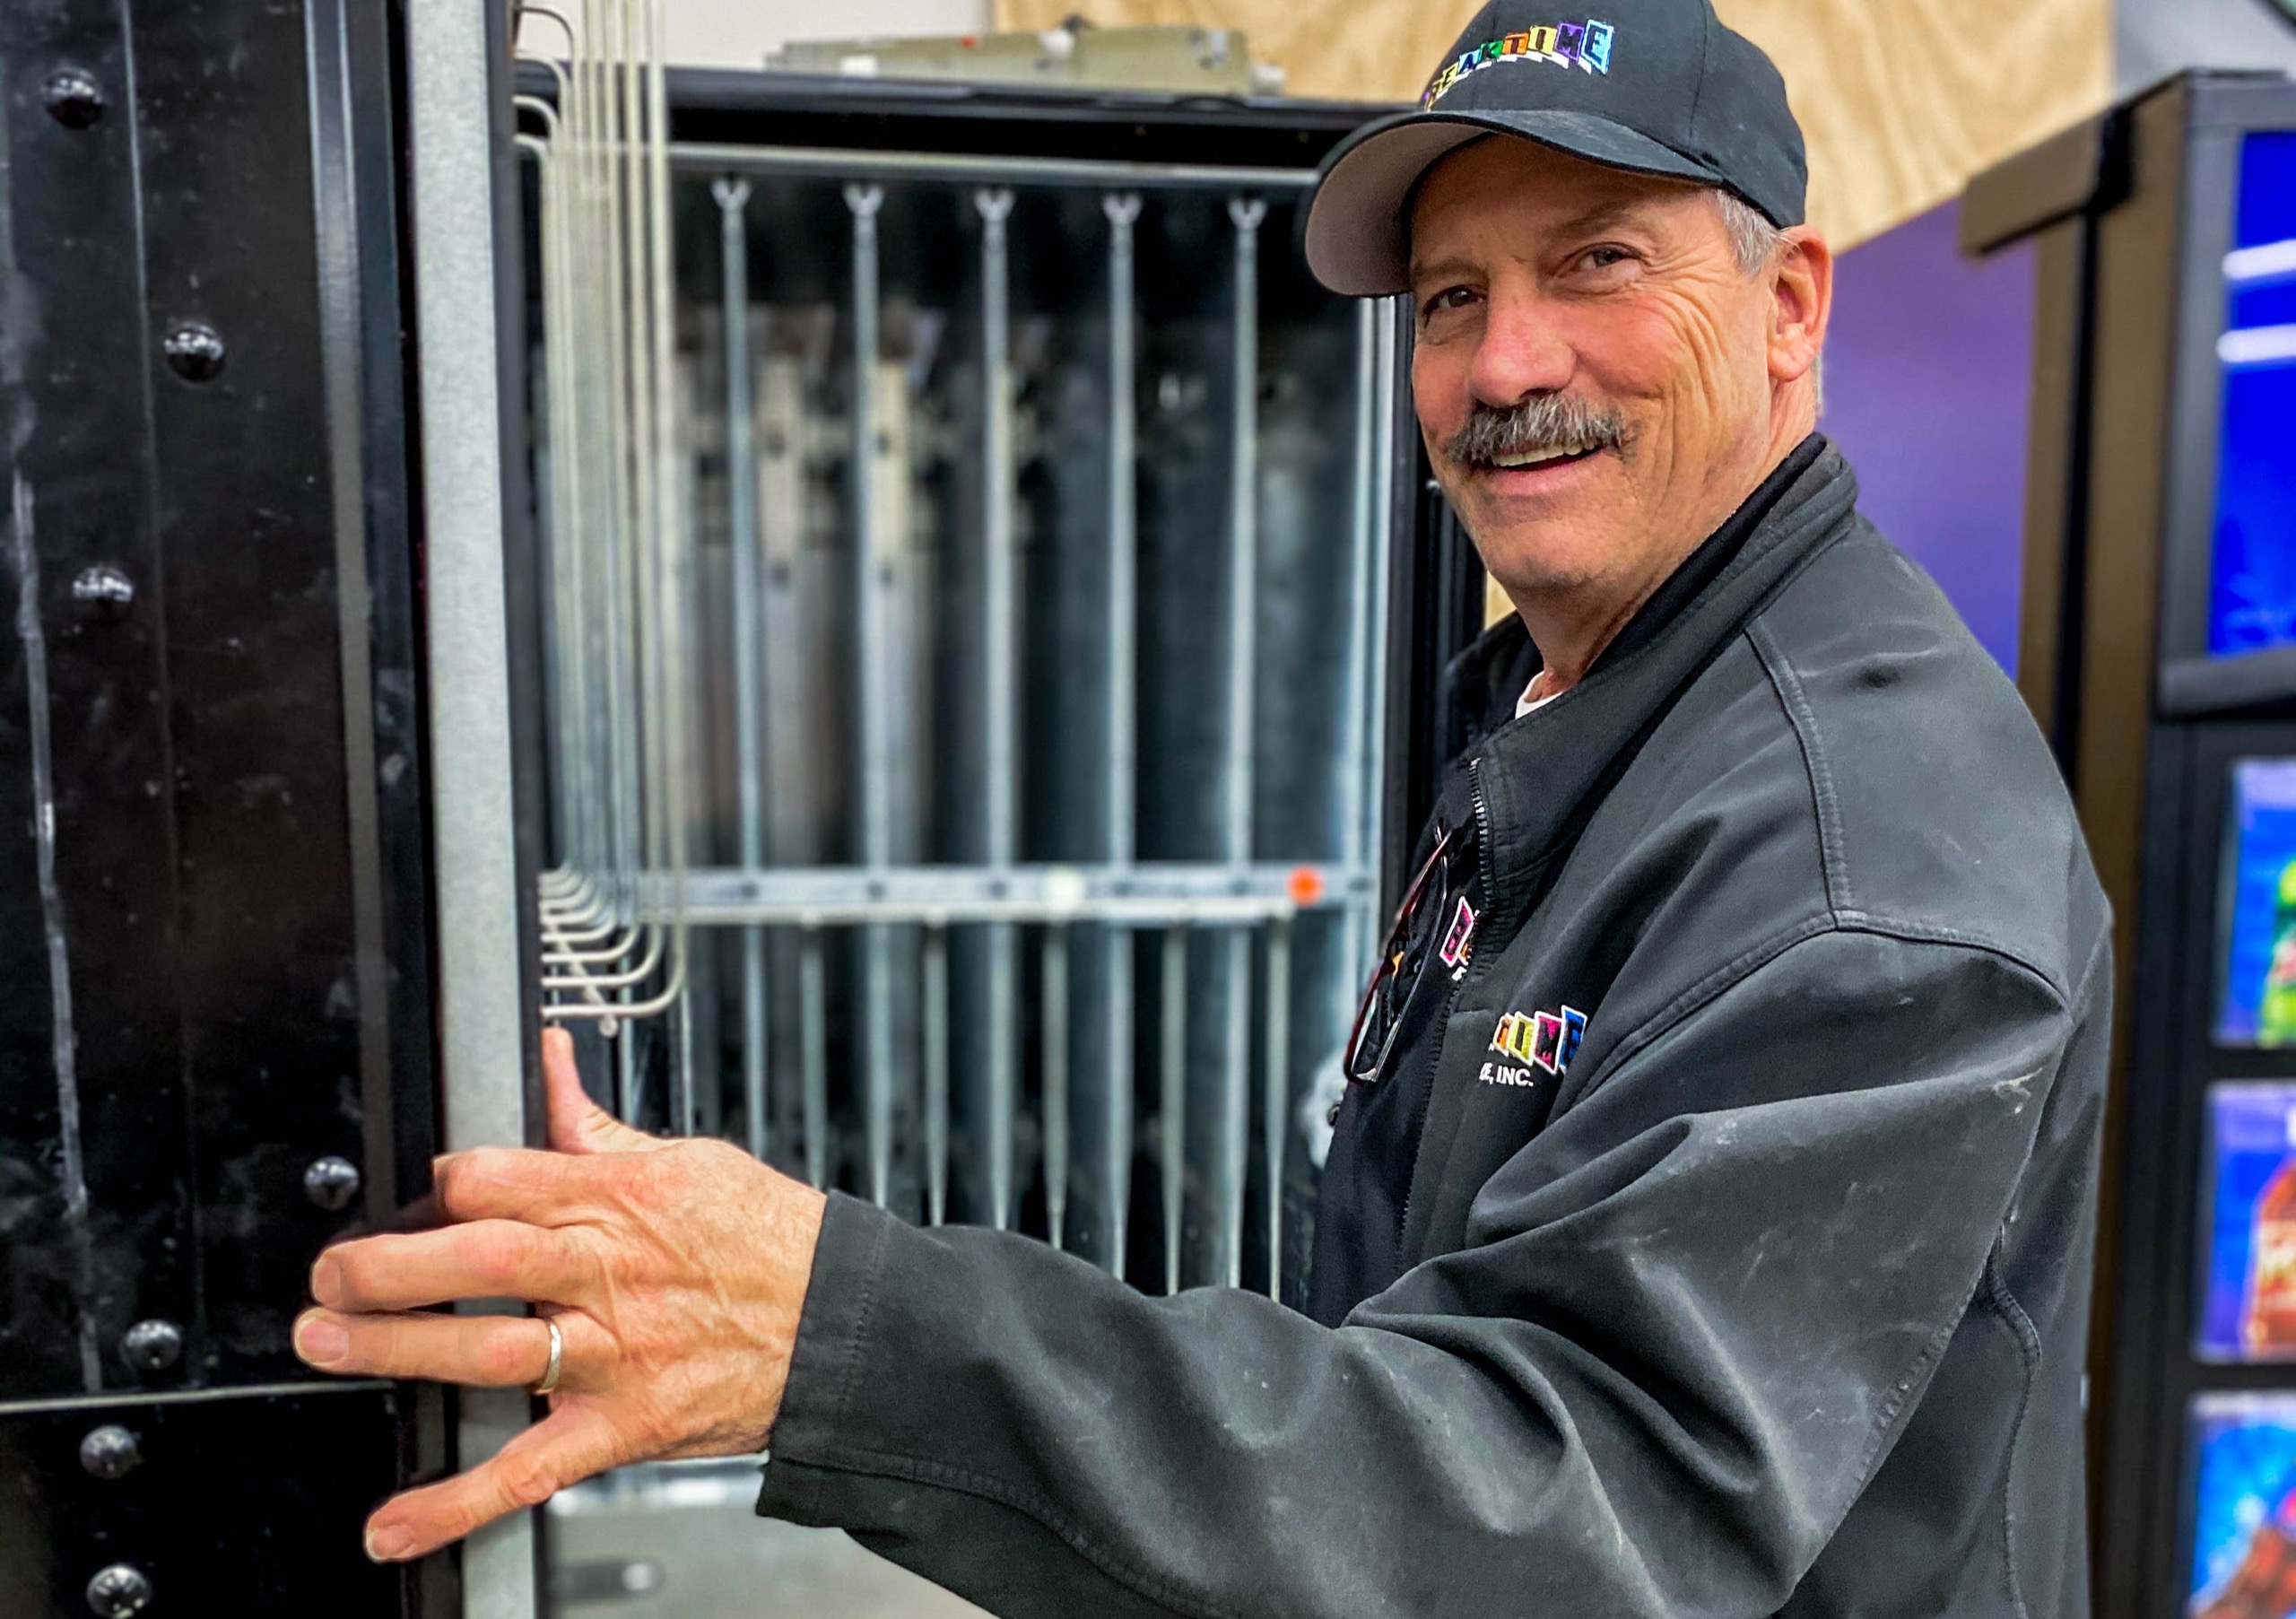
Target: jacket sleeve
x=1693 y=1316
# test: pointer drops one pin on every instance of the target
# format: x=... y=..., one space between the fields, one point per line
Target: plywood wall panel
x=1901 y=100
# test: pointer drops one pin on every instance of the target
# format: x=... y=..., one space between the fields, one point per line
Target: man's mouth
x=1549 y=455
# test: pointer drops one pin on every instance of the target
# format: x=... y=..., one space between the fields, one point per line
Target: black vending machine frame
x=2131 y=214
x=213 y=572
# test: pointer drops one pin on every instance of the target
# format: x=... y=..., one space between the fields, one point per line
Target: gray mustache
x=1543 y=421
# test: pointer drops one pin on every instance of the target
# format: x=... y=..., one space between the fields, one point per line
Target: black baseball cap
x=1654 y=86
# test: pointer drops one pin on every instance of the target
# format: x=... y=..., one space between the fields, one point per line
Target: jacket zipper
x=1426 y=1103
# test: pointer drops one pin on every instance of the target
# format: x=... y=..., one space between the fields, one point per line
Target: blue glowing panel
x=2243 y=1488
x=2256 y=916
x=2247 y=1306
x=2252 y=587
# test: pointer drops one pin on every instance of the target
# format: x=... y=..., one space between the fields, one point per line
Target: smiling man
x=1706 y=1228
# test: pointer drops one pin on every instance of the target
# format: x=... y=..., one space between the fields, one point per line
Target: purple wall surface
x=1929 y=381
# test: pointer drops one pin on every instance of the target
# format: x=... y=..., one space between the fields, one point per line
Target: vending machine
x=896 y=611
x=2159 y=653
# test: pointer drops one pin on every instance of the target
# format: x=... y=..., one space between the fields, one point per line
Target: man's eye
x=1449 y=298
x=1606 y=258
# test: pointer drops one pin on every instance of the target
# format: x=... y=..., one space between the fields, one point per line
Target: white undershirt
x=1526 y=703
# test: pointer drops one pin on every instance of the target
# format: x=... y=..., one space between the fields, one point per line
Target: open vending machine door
x=899 y=612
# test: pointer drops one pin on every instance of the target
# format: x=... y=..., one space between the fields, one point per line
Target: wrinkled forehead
x=1505 y=188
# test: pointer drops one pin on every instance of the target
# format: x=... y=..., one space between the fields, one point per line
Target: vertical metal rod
x=1243 y=530
x=1229 y=1168
x=1122 y=211
x=936 y=1075
x=813 y=1018
x=1371 y=784
x=1277 y=1103
x=741 y=481
x=1173 y=1058
x=1055 y=1081
x=1355 y=741
x=873 y=550
x=682 y=1069
x=999 y=693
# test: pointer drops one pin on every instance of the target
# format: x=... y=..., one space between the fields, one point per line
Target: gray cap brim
x=1358 y=238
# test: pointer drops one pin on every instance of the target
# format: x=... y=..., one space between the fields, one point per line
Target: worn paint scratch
x=65 y=1043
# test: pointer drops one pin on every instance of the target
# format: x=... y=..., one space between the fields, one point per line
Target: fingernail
x=326 y=1274
x=388 y=1545
x=321 y=1342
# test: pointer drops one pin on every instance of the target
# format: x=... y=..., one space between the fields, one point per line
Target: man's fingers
x=577 y=1123
x=577 y=1441
x=485 y=1259
x=479 y=1352
x=514 y=1183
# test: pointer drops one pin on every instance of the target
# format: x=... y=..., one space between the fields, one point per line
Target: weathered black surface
x=240 y=1506
x=204 y=545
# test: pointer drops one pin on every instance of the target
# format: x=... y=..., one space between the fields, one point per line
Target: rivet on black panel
x=104 y=590
x=111 y=1451
x=194 y=351
x=152 y=1347
x=118 y=1591
x=331 y=1183
x=75 y=100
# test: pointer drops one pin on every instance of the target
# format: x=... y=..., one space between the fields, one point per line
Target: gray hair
x=1752 y=238
x=1756 y=244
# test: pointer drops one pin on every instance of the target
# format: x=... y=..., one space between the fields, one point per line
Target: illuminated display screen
x=2252 y=586
x=2248 y=1306
x=2243 y=1506
x=2256 y=907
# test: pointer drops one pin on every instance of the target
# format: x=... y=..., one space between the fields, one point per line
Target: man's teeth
x=1535 y=457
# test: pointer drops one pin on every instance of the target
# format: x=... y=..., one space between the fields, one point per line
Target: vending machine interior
x=1043 y=676
x=897 y=612
x=2159 y=653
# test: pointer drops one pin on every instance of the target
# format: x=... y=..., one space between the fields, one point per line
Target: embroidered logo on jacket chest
x=1545 y=1040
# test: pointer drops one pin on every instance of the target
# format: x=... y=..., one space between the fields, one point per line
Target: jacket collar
x=1540 y=777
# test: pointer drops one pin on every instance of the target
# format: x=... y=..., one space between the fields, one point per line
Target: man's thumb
x=577 y=1123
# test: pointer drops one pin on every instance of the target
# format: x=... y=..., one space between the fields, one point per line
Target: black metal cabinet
x=2155 y=710
x=213 y=995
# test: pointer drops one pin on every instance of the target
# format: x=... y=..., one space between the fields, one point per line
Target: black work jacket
x=1716 y=1241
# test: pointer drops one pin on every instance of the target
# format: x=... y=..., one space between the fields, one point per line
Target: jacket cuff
x=832 y=1333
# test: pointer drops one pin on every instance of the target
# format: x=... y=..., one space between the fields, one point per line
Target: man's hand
x=675 y=1272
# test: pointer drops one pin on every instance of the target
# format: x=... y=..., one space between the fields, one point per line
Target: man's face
x=1594 y=369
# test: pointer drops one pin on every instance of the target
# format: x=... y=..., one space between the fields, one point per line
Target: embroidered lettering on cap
x=1585 y=46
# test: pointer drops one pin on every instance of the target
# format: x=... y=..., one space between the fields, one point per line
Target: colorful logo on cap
x=1545 y=1039
x=1584 y=46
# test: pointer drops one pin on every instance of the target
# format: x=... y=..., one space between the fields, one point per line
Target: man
x=1707 y=1229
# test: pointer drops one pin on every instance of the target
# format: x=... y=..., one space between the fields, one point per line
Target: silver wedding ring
x=549 y=1383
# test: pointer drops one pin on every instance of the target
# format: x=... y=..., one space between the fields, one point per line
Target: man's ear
x=1803 y=282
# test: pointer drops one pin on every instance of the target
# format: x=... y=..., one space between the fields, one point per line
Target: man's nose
x=1522 y=352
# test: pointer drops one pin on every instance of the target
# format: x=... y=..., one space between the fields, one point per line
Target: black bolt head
x=118 y=1591
x=331 y=1183
x=75 y=100
x=109 y=1451
x=194 y=351
x=151 y=1347
x=104 y=590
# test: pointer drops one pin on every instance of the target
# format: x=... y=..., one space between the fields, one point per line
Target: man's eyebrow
x=1455 y=264
x=1591 y=221
x=1603 y=216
